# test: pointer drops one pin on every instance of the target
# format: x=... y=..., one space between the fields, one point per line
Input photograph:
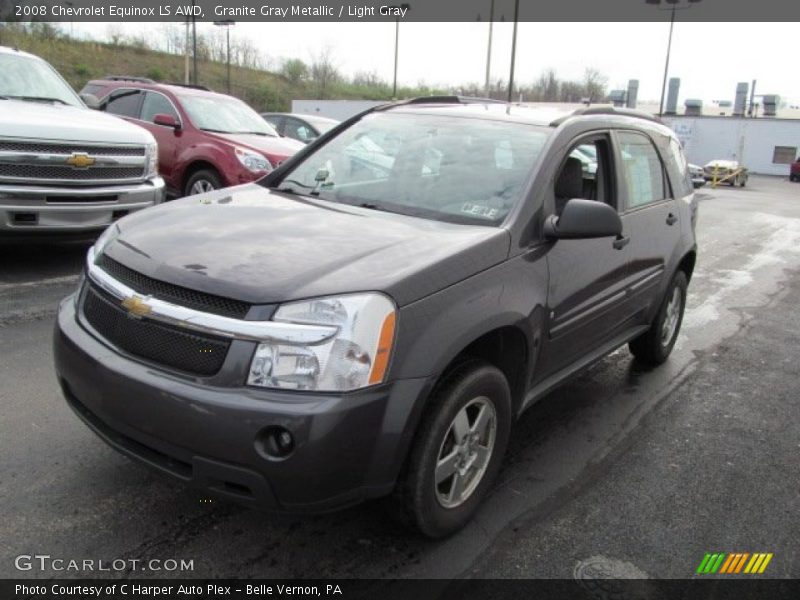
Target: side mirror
x=166 y=121
x=584 y=219
x=90 y=100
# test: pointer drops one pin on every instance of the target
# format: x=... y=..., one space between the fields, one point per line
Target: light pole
x=513 y=52
x=194 y=46
x=405 y=7
x=70 y=4
x=489 y=48
x=673 y=4
x=227 y=24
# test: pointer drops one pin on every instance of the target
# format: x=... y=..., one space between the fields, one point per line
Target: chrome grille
x=69 y=148
x=51 y=172
x=44 y=162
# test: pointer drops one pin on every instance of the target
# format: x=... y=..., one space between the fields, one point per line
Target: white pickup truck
x=65 y=169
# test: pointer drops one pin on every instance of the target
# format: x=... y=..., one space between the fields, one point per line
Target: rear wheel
x=654 y=345
x=456 y=452
x=202 y=181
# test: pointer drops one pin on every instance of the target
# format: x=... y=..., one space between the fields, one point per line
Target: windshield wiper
x=288 y=189
x=215 y=130
x=37 y=99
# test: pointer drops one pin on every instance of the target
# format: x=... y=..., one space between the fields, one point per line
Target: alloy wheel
x=465 y=452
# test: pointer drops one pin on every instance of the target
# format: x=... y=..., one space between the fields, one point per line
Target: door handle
x=671 y=219
x=621 y=242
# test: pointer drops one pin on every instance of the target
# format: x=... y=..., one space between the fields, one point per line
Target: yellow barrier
x=732 y=175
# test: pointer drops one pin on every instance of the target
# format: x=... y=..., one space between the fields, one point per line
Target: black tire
x=650 y=348
x=415 y=502
x=204 y=176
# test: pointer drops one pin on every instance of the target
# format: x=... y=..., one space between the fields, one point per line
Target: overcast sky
x=710 y=58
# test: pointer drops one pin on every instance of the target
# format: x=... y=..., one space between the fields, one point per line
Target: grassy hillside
x=79 y=61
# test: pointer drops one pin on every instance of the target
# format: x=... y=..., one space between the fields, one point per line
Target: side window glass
x=584 y=174
x=641 y=170
x=157 y=104
x=683 y=167
x=298 y=130
x=125 y=104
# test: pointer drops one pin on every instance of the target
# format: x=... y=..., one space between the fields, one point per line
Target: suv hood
x=58 y=122
x=264 y=247
x=275 y=146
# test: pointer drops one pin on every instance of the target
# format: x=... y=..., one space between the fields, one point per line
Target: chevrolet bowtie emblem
x=80 y=160
x=136 y=306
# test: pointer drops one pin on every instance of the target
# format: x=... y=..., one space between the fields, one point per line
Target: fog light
x=275 y=443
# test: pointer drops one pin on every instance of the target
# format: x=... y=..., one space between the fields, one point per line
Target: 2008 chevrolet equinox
x=371 y=318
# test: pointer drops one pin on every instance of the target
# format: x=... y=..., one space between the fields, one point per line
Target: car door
x=650 y=218
x=587 y=278
x=299 y=130
x=168 y=138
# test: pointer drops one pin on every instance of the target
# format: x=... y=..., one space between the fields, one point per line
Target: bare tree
x=324 y=72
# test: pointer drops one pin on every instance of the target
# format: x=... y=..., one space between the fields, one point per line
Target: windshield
x=32 y=79
x=449 y=169
x=223 y=114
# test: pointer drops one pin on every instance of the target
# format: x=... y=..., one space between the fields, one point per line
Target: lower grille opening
x=161 y=344
x=25 y=218
x=236 y=488
x=80 y=200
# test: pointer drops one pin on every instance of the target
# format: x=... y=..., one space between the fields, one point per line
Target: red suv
x=206 y=140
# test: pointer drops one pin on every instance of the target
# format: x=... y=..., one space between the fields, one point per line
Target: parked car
x=726 y=171
x=63 y=168
x=304 y=128
x=697 y=175
x=206 y=140
x=794 y=171
x=329 y=334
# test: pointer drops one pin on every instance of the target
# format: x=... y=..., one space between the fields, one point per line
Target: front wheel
x=202 y=181
x=456 y=452
x=654 y=345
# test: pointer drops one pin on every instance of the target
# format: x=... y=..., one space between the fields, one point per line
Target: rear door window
x=641 y=169
x=125 y=103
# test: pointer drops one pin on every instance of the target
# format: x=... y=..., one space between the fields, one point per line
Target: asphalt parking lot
x=633 y=472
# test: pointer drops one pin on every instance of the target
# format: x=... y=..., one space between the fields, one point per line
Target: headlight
x=356 y=357
x=252 y=161
x=152 y=160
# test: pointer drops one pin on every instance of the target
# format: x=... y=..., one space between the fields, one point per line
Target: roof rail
x=437 y=100
x=128 y=78
x=192 y=86
x=607 y=110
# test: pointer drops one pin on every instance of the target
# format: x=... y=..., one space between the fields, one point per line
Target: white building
x=763 y=145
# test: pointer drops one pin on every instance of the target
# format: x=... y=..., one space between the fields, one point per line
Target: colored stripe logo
x=734 y=563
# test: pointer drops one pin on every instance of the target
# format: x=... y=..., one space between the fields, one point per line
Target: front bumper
x=32 y=210
x=347 y=447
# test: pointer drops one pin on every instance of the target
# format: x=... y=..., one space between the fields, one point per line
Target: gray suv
x=372 y=317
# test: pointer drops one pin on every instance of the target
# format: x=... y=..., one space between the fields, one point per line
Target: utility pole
x=406 y=7
x=666 y=64
x=489 y=49
x=194 y=46
x=513 y=52
x=186 y=54
x=227 y=23
x=752 y=98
